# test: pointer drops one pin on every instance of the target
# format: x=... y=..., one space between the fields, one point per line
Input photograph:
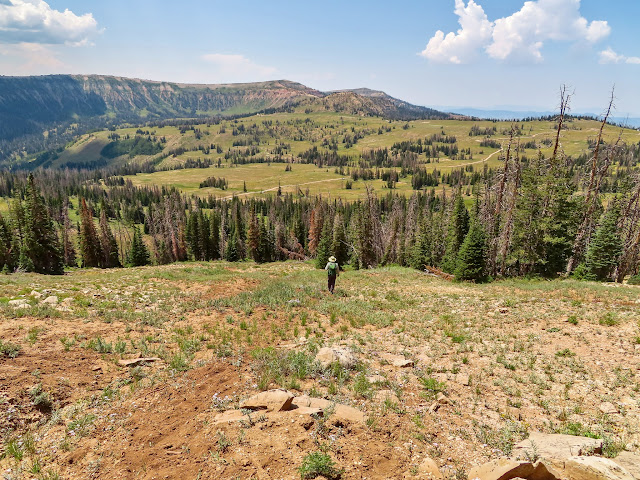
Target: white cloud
x=520 y=36
x=461 y=47
x=610 y=56
x=35 y=22
x=238 y=67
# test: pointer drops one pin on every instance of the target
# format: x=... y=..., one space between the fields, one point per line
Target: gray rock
x=50 y=300
x=329 y=355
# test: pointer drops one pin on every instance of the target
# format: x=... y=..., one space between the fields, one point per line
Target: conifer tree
x=472 y=258
x=267 y=240
x=109 y=246
x=323 y=252
x=421 y=253
x=6 y=241
x=253 y=239
x=41 y=251
x=138 y=253
x=339 y=247
x=90 y=247
x=214 y=234
x=231 y=253
x=456 y=233
x=69 y=251
x=605 y=248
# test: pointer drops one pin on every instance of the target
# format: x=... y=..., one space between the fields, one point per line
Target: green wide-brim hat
x=332 y=259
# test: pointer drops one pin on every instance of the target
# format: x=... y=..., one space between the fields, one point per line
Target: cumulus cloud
x=234 y=67
x=35 y=22
x=460 y=47
x=610 y=56
x=520 y=36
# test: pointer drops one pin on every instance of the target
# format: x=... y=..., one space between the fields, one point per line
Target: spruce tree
x=605 y=248
x=138 y=253
x=339 y=247
x=421 y=252
x=6 y=241
x=323 y=252
x=41 y=250
x=472 y=258
x=214 y=234
x=456 y=233
x=90 y=247
x=253 y=239
x=69 y=251
x=109 y=246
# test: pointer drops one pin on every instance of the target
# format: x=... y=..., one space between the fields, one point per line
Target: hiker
x=333 y=270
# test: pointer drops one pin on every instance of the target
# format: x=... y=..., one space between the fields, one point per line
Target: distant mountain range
x=46 y=106
x=500 y=114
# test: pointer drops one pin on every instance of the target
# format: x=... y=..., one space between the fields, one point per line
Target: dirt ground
x=457 y=373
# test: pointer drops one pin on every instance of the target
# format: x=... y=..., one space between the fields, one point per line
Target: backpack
x=332 y=269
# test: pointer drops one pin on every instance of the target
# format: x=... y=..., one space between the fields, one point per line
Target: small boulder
x=505 y=469
x=329 y=355
x=19 y=303
x=428 y=469
x=556 y=446
x=341 y=412
x=594 y=468
x=50 y=300
x=278 y=400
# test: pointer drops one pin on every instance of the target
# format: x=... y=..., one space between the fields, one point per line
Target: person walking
x=333 y=270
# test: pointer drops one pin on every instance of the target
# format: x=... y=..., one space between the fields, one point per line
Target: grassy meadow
x=299 y=132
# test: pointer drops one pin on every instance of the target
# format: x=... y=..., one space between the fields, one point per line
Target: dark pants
x=331 y=282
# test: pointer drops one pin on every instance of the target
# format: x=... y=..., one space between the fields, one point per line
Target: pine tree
x=267 y=242
x=421 y=252
x=472 y=257
x=138 y=253
x=323 y=252
x=253 y=239
x=41 y=250
x=90 y=247
x=109 y=246
x=69 y=251
x=458 y=228
x=214 y=234
x=605 y=247
x=231 y=253
x=339 y=247
x=6 y=241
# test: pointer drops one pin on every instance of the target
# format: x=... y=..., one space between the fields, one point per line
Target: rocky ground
x=152 y=373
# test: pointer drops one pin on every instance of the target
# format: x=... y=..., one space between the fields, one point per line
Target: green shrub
x=9 y=349
x=317 y=464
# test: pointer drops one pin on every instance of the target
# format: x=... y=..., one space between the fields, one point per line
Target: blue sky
x=482 y=53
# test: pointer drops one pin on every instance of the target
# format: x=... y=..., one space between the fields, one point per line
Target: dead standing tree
x=598 y=172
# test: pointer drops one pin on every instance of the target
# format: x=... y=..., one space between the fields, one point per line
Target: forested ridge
x=543 y=215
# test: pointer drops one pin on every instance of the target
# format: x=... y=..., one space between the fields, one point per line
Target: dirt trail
x=282 y=186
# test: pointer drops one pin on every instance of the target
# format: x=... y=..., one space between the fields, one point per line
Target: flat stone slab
x=556 y=446
x=342 y=412
x=506 y=469
x=278 y=400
